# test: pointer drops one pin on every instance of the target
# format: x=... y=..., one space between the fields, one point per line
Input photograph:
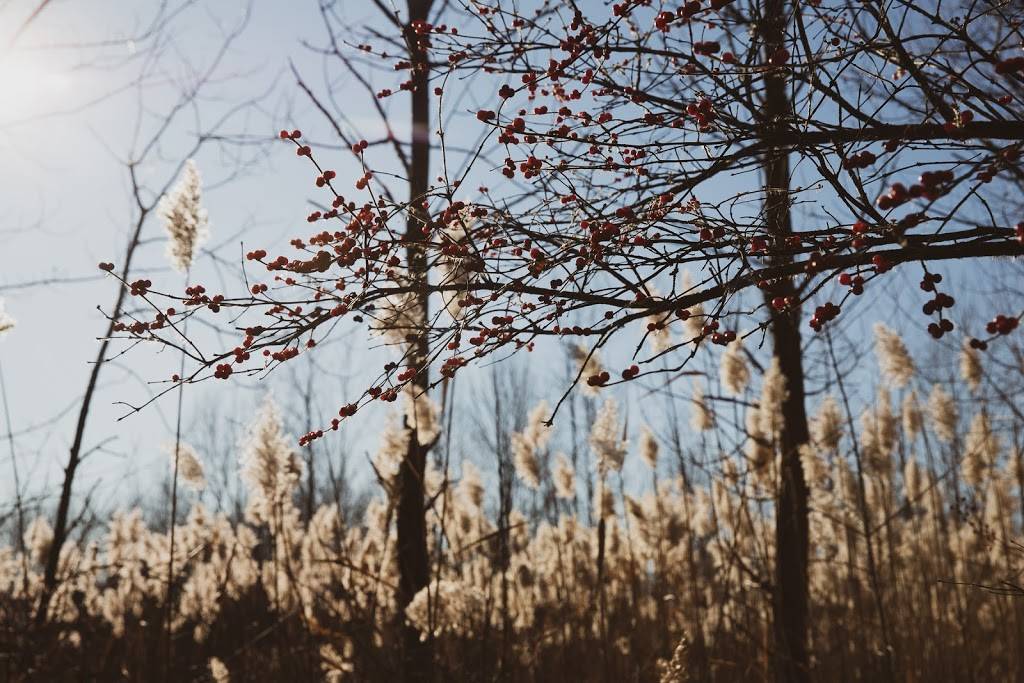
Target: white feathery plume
x=896 y=364
x=695 y=322
x=185 y=219
x=912 y=419
x=218 y=672
x=470 y=486
x=827 y=426
x=942 y=411
x=981 y=448
x=270 y=468
x=734 y=371
x=701 y=418
x=527 y=444
x=773 y=393
x=190 y=467
x=970 y=367
x=564 y=478
x=590 y=366
x=649 y=447
x=608 y=445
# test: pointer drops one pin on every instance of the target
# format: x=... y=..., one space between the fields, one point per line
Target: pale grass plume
x=735 y=372
x=590 y=364
x=400 y=317
x=394 y=444
x=190 y=467
x=942 y=411
x=695 y=322
x=913 y=480
x=981 y=450
x=878 y=434
x=445 y=606
x=529 y=443
x=970 y=367
x=270 y=468
x=218 y=672
x=185 y=219
x=471 y=487
x=649 y=447
x=913 y=420
x=827 y=425
x=701 y=418
x=896 y=364
x=564 y=478
x=606 y=440
x=422 y=414
x=773 y=394
x=336 y=665
x=454 y=268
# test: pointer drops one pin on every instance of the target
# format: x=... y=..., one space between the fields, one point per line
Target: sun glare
x=29 y=87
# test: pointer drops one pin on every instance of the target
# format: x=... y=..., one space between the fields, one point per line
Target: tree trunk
x=60 y=523
x=790 y=596
x=413 y=561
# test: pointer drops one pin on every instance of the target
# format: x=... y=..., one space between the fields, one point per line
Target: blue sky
x=71 y=117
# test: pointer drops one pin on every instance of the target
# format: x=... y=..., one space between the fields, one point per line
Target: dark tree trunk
x=790 y=597
x=413 y=561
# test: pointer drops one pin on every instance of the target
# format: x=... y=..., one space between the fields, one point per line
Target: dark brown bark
x=790 y=587
x=413 y=561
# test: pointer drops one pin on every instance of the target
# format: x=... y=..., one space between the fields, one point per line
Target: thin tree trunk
x=413 y=560
x=790 y=597
x=60 y=525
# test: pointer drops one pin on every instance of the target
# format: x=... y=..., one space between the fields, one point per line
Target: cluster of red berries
x=364 y=181
x=781 y=303
x=325 y=178
x=1010 y=66
x=450 y=366
x=824 y=314
x=703 y=112
x=104 y=266
x=940 y=328
x=140 y=287
x=854 y=282
x=859 y=160
x=284 y=354
x=1002 y=324
x=631 y=372
x=959 y=120
x=222 y=371
x=941 y=301
x=294 y=135
x=936 y=305
x=256 y=255
x=706 y=47
x=309 y=437
x=930 y=185
x=722 y=338
x=598 y=380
